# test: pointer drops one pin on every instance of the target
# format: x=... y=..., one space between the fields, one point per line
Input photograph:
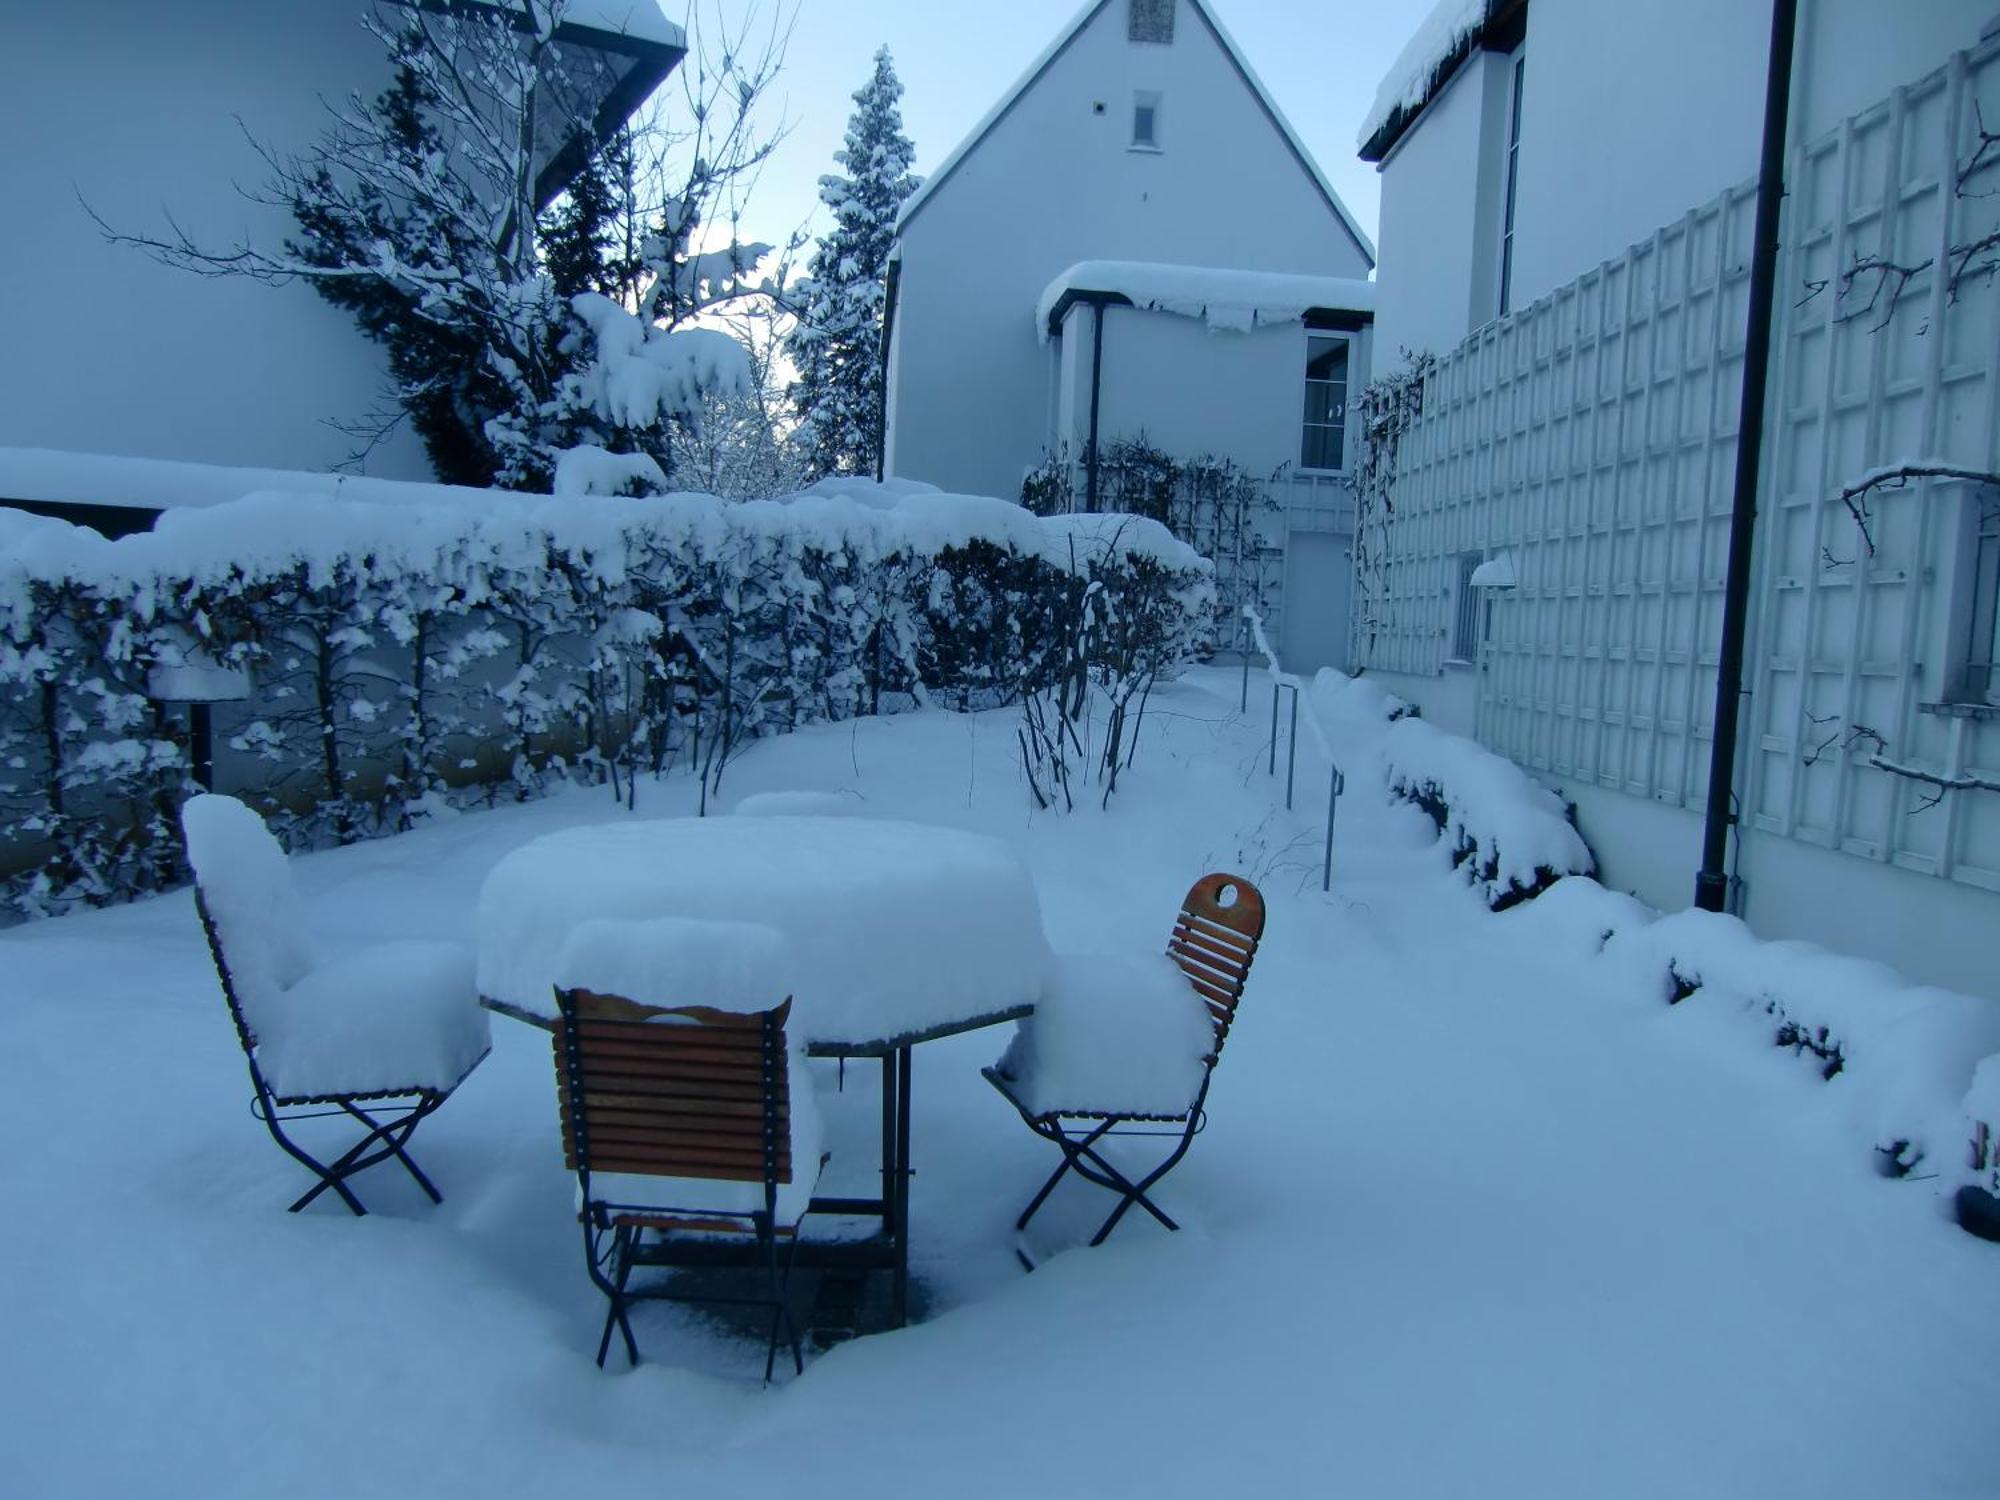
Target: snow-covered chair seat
x=687 y=1111
x=396 y=1026
x=1127 y=1047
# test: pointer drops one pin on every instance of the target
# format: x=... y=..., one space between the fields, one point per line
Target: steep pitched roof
x=1062 y=43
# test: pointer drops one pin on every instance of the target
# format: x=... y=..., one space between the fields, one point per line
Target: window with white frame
x=1982 y=679
x=1513 y=178
x=1324 y=445
x=1146 y=121
x=1466 y=606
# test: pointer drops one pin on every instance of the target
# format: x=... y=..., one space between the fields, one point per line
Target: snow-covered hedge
x=1510 y=836
x=1904 y=1060
x=398 y=651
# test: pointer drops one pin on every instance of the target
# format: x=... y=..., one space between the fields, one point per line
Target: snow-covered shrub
x=1510 y=836
x=398 y=651
x=1903 y=1055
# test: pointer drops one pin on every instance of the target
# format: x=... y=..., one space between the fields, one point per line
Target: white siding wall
x=1193 y=391
x=1054 y=183
x=1592 y=435
x=1633 y=111
x=1430 y=198
x=130 y=105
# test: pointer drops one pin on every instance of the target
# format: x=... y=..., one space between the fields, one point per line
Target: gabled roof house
x=1133 y=241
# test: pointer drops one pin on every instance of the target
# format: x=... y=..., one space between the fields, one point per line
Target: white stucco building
x=1135 y=242
x=146 y=112
x=1567 y=206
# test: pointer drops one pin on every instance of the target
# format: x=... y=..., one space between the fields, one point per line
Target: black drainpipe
x=1711 y=884
x=893 y=282
x=1096 y=396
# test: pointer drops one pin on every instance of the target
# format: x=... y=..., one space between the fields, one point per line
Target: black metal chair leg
x=1071 y=1151
x=1035 y=1203
x=621 y=1249
x=399 y=1137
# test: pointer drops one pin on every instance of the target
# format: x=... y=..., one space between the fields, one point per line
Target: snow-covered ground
x=1466 y=1220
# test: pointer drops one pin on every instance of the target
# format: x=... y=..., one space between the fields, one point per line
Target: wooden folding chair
x=677 y=1122
x=1214 y=940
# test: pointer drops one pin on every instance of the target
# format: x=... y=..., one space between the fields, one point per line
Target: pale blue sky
x=1321 y=60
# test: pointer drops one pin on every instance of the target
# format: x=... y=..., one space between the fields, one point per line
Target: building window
x=1150 y=20
x=1466 y=603
x=1146 y=122
x=1513 y=176
x=1325 y=445
x=1982 y=680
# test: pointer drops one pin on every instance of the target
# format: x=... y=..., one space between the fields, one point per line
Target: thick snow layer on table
x=1225 y=299
x=734 y=966
x=898 y=927
x=1112 y=1034
x=1407 y=84
x=739 y=966
x=398 y=1015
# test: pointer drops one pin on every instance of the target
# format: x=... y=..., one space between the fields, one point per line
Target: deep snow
x=1471 y=1217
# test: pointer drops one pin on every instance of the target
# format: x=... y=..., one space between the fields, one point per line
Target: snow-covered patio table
x=904 y=932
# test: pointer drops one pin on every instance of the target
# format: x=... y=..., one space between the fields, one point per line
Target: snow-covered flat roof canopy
x=1222 y=297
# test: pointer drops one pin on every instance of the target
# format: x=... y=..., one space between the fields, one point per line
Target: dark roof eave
x=649 y=70
x=1502 y=31
x=652 y=62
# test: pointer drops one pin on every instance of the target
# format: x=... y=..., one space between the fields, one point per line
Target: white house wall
x=132 y=109
x=1194 y=392
x=1054 y=182
x=1633 y=111
x=1591 y=435
x=1430 y=195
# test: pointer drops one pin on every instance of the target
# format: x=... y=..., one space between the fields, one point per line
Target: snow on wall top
x=1410 y=79
x=1225 y=299
x=167 y=484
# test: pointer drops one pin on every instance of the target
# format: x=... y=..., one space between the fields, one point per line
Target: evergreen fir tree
x=837 y=346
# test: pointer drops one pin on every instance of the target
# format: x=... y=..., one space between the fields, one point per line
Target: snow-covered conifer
x=837 y=344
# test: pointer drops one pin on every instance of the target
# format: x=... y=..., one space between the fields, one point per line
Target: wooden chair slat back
x=673 y=1091
x=1215 y=940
